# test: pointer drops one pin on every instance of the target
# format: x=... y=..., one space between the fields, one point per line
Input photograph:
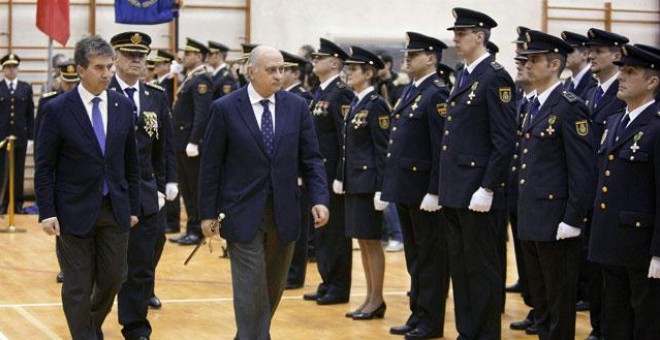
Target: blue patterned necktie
x=11 y=88
x=97 y=124
x=463 y=79
x=267 y=128
x=598 y=95
x=129 y=92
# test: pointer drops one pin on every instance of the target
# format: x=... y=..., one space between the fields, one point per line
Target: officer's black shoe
x=582 y=306
x=422 y=333
x=292 y=285
x=170 y=230
x=593 y=336
x=190 y=240
x=523 y=324
x=154 y=303
x=312 y=296
x=60 y=277
x=143 y=338
x=329 y=299
x=514 y=288
x=401 y=330
x=176 y=239
x=532 y=330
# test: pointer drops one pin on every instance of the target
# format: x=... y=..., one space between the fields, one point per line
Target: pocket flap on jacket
x=472 y=161
x=636 y=219
x=414 y=164
x=551 y=193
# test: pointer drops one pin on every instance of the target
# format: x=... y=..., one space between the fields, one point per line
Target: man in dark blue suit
x=92 y=210
x=476 y=152
x=150 y=111
x=257 y=140
x=581 y=80
x=625 y=237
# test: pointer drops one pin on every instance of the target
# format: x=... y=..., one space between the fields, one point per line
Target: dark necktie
x=11 y=88
x=463 y=79
x=621 y=127
x=571 y=86
x=533 y=110
x=129 y=93
x=97 y=124
x=267 y=128
x=317 y=93
x=354 y=103
x=598 y=95
x=409 y=91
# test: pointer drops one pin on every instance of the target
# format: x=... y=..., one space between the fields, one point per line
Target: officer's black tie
x=621 y=127
x=598 y=95
x=354 y=103
x=463 y=79
x=571 y=86
x=533 y=110
x=11 y=88
x=409 y=91
x=129 y=93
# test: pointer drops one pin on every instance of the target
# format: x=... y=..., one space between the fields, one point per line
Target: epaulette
x=341 y=85
x=570 y=96
x=302 y=89
x=497 y=66
x=438 y=83
x=49 y=94
x=373 y=97
x=225 y=72
x=154 y=86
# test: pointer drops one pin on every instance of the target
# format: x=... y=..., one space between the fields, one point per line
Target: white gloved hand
x=192 y=150
x=378 y=204
x=30 y=144
x=481 y=200
x=176 y=68
x=161 y=200
x=171 y=191
x=654 y=268
x=338 y=187
x=430 y=203
x=566 y=231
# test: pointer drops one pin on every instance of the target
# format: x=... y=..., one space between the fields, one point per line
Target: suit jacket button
x=364 y=167
x=503 y=184
x=638 y=224
x=527 y=135
x=446 y=132
x=394 y=128
x=522 y=181
x=585 y=219
x=610 y=157
x=325 y=160
x=453 y=104
x=472 y=164
x=449 y=118
x=410 y=115
x=391 y=141
x=525 y=151
x=603 y=206
x=397 y=116
x=444 y=148
x=181 y=128
x=414 y=168
x=524 y=166
x=515 y=156
x=551 y=197
x=604 y=189
x=389 y=154
x=513 y=168
x=608 y=173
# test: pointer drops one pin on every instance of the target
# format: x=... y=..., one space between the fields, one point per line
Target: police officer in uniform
x=294 y=75
x=604 y=49
x=222 y=79
x=411 y=181
x=330 y=105
x=556 y=181
x=446 y=74
x=476 y=151
x=17 y=119
x=581 y=80
x=164 y=78
x=625 y=237
x=390 y=84
x=190 y=115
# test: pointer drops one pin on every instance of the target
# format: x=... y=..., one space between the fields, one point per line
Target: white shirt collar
x=124 y=86
x=223 y=65
x=292 y=86
x=476 y=63
x=328 y=82
x=606 y=85
x=576 y=80
x=530 y=95
x=13 y=82
x=544 y=96
x=364 y=93
x=87 y=96
x=421 y=80
x=162 y=79
x=255 y=97
x=636 y=112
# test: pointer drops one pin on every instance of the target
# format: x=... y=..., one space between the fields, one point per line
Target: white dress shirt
x=255 y=99
x=12 y=82
x=87 y=97
x=636 y=112
x=328 y=82
x=136 y=94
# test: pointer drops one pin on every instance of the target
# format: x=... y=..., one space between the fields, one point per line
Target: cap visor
x=460 y=26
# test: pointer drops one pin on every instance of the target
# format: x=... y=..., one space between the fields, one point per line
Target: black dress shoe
x=582 y=306
x=290 y=285
x=514 y=288
x=593 y=336
x=401 y=330
x=60 y=277
x=331 y=300
x=312 y=296
x=523 y=324
x=377 y=313
x=190 y=240
x=420 y=333
x=169 y=230
x=176 y=239
x=155 y=303
x=143 y=338
x=353 y=312
x=532 y=330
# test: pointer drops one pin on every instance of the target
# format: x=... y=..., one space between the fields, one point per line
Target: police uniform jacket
x=17 y=113
x=609 y=104
x=625 y=228
x=300 y=90
x=168 y=85
x=150 y=135
x=512 y=184
x=328 y=111
x=223 y=83
x=586 y=84
x=557 y=176
x=411 y=163
x=479 y=137
x=365 y=144
x=191 y=110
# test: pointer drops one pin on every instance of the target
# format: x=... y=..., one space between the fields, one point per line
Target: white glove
x=171 y=191
x=378 y=204
x=161 y=200
x=30 y=144
x=654 y=268
x=481 y=200
x=566 y=231
x=192 y=150
x=338 y=187
x=176 y=68
x=430 y=203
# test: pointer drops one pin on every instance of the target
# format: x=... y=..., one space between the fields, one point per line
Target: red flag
x=53 y=19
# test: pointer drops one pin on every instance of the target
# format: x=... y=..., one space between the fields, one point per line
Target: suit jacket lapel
x=483 y=65
x=281 y=118
x=633 y=128
x=113 y=121
x=546 y=108
x=79 y=113
x=247 y=114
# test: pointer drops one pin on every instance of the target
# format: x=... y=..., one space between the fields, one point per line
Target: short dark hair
x=648 y=73
x=485 y=31
x=90 y=47
x=549 y=57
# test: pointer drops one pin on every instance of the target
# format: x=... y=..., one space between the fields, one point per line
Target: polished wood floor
x=197 y=299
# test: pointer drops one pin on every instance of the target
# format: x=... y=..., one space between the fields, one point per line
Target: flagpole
x=49 y=76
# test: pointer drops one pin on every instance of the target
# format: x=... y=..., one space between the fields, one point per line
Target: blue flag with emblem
x=145 y=12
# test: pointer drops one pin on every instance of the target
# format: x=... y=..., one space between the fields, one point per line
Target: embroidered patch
x=505 y=94
x=442 y=109
x=202 y=88
x=582 y=127
x=384 y=122
x=226 y=89
x=345 y=109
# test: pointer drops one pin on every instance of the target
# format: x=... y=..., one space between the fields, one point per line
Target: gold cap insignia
x=70 y=69
x=136 y=38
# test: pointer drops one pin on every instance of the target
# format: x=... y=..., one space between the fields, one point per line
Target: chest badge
x=636 y=139
x=551 y=121
x=415 y=104
x=471 y=95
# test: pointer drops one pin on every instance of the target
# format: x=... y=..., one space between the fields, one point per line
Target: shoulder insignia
x=226 y=89
x=373 y=97
x=345 y=109
x=438 y=83
x=442 y=109
x=384 y=122
x=202 y=88
x=341 y=85
x=569 y=96
x=582 y=127
x=154 y=86
x=497 y=66
x=49 y=94
x=505 y=94
x=225 y=72
x=302 y=89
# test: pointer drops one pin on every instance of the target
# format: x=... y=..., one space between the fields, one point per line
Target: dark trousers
x=173 y=214
x=552 y=270
x=135 y=292
x=502 y=228
x=94 y=268
x=19 y=177
x=427 y=263
x=188 y=182
x=475 y=272
x=334 y=252
x=298 y=269
x=520 y=259
x=159 y=247
x=595 y=285
x=258 y=271
x=631 y=304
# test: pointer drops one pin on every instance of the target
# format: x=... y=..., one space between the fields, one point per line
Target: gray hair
x=90 y=47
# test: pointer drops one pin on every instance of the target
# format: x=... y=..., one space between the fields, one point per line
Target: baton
x=215 y=224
